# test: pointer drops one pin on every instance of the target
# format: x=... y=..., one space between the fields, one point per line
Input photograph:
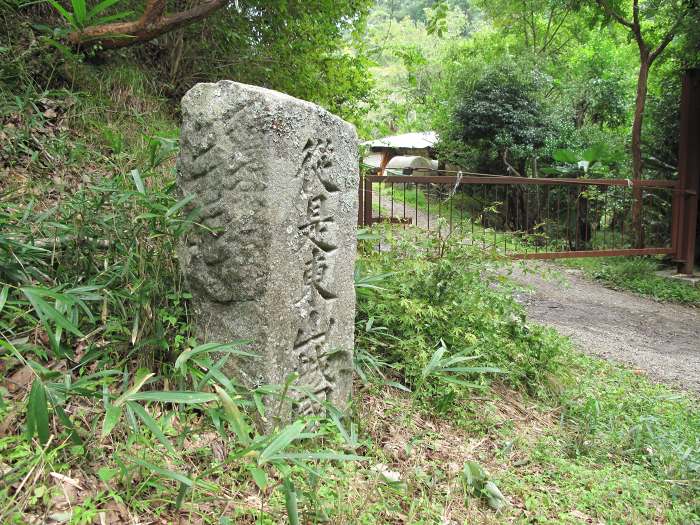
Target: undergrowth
x=581 y=440
x=638 y=275
x=441 y=294
x=111 y=410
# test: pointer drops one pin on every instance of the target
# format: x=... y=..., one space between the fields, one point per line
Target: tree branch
x=635 y=13
x=669 y=36
x=152 y=24
x=555 y=32
x=509 y=168
x=633 y=26
x=661 y=164
x=611 y=12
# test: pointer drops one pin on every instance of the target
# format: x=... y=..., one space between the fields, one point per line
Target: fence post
x=361 y=199
x=367 y=201
x=688 y=172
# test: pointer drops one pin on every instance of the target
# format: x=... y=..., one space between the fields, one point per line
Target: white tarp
x=417 y=140
x=423 y=165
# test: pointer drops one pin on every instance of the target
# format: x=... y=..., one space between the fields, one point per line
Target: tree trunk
x=152 y=24
x=637 y=165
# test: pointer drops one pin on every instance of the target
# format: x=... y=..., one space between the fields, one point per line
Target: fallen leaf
x=20 y=379
x=66 y=479
x=389 y=475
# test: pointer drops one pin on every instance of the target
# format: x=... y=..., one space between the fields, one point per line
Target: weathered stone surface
x=276 y=180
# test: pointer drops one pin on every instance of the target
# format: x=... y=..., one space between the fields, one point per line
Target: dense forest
x=464 y=410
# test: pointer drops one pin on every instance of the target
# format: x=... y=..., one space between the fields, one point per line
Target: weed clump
x=446 y=321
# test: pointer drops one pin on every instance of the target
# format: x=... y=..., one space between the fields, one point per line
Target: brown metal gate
x=548 y=218
x=527 y=218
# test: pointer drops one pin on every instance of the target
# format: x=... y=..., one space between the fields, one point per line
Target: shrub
x=442 y=294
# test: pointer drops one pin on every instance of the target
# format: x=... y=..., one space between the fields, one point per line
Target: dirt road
x=663 y=340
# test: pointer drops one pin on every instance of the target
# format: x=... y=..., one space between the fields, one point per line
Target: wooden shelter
x=417 y=144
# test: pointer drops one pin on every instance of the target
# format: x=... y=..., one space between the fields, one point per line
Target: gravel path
x=663 y=340
x=660 y=339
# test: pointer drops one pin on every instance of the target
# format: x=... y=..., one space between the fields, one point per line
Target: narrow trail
x=662 y=340
x=659 y=339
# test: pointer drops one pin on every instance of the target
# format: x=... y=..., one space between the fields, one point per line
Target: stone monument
x=275 y=179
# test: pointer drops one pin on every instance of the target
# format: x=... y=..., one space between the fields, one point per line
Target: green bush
x=638 y=274
x=441 y=294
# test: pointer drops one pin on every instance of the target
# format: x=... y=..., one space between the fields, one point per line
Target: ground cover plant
x=639 y=275
x=583 y=441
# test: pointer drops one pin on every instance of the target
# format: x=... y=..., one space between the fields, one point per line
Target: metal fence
x=529 y=218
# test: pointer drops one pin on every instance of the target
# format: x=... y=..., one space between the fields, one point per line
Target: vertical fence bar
x=392 y=201
x=505 y=224
x=545 y=221
x=379 y=212
x=451 y=197
x=602 y=217
x=415 y=206
x=367 y=201
x=688 y=173
x=624 y=218
x=427 y=198
x=535 y=236
x=405 y=186
x=360 y=200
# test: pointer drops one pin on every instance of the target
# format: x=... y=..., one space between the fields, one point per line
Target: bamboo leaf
x=3 y=296
x=399 y=386
x=175 y=476
x=461 y=382
x=229 y=348
x=38 y=412
x=46 y=312
x=151 y=424
x=138 y=181
x=79 y=12
x=240 y=427
x=100 y=7
x=142 y=375
x=179 y=205
x=290 y=500
x=322 y=456
x=283 y=439
x=474 y=370
x=214 y=370
x=174 y=397
x=259 y=476
x=64 y=13
x=113 y=414
x=434 y=360
x=63 y=417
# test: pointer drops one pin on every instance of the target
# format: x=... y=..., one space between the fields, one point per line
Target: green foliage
x=498 y=114
x=477 y=481
x=437 y=19
x=300 y=48
x=638 y=274
x=409 y=62
x=654 y=428
x=81 y=16
x=447 y=323
x=591 y=162
x=93 y=309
